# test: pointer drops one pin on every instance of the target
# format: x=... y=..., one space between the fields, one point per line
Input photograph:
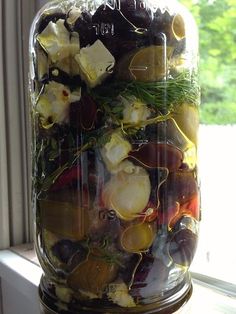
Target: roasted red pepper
x=68 y=176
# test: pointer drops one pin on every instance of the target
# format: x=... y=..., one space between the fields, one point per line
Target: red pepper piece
x=174 y=213
x=155 y=155
x=66 y=178
x=192 y=207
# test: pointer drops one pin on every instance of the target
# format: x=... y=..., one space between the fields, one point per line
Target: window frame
x=16 y=214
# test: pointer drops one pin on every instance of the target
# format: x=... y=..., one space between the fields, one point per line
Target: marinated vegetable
x=115 y=96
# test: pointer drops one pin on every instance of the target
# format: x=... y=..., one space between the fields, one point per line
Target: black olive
x=160 y=28
x=137 y=12
x=59 y=76
x=182 y=247
x=160 y=32
x=150 y=272
x=117 y=32
x=64 y=250
x=87 y=33
x=110 y=23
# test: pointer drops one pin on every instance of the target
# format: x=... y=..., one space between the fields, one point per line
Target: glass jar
x=115 y=95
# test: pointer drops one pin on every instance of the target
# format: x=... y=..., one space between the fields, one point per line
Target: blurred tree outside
x=216 y=20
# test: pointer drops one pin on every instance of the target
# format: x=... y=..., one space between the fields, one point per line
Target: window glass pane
x=216 y=255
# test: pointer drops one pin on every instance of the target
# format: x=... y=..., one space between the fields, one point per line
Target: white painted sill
x=20 y=276
x=19 y=281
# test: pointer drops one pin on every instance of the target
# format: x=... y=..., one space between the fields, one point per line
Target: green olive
x=138 y=238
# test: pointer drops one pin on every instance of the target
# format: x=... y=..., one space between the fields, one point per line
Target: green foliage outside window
x=217 y=30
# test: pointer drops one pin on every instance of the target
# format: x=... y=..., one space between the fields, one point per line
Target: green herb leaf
x=161 y=95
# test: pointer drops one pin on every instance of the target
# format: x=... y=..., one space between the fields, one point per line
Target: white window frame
x=15 y=211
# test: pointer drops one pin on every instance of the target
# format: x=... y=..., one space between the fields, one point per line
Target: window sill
x=20 y=276
x=19 y=280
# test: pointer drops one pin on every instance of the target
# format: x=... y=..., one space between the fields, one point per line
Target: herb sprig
x=161 y=95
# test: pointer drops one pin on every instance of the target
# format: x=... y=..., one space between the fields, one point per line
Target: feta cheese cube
x=64 y=294
x=115 y=151
x=53 y=104
x=95 y=62
x=58 y=42
x=119 y=294
x=73 y=16
x=135 y=111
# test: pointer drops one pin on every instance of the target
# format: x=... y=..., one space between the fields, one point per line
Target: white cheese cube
x=53 y=105
x=115 y=151
x=73 y=16
x=135 y=111
x=119 y=294
x=63 y=294
x=95 y=62
x=42 y=63
x=57 y=41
